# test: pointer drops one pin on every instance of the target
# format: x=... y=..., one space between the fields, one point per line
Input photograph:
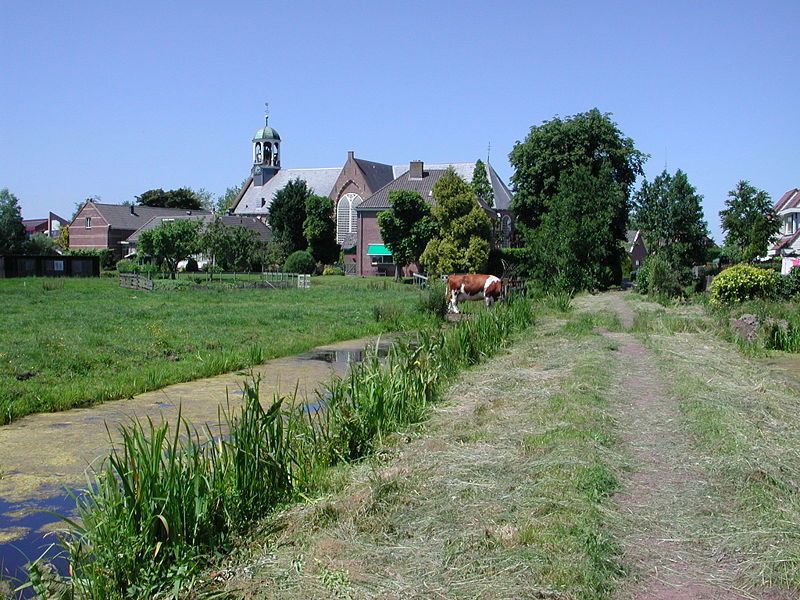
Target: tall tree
x=287 y=213
x=204 y=197
x=590 y=140
x=749 y=221
x=670 y=213
x=407 y=228
x=226 y=200
x=230 y=247
x=577 y=243
x=461 y=242
x=481 y=185
x=180 y=198
x=171 y=242
x=320 y=230
x=12 y=231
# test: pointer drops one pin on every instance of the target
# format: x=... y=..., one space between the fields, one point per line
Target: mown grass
x=744 y=420
x=504 y=494
x=87 y=340
x=168 y=499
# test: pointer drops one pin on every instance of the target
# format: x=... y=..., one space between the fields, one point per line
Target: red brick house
x=100 y=226
x=636 y=248
x=373 y=258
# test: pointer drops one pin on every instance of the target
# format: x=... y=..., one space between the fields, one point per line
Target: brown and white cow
x=472 y=287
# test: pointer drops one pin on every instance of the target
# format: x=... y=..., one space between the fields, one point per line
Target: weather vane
x=266 y=113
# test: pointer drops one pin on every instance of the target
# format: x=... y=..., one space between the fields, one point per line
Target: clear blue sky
x=112 y=99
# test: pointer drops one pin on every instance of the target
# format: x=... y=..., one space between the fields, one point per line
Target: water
x=32 y=522
x=42 y=455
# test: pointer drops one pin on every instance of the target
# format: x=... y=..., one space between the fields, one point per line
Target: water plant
x=169 y=497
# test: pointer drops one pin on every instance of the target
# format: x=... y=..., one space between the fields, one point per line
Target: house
x=262 y=231
x=49 y=226
x=787 y=246
x=359 y=191
x=635 y=248
x=373 y=257
x=347 y=186
x=99 y=226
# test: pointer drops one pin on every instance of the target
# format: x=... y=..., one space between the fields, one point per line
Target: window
x=382 y=260
x=346 y=216
x=88 y=222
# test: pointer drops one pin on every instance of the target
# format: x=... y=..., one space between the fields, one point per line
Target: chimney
x=133 y=209
x=350 y=155
x=415 y=169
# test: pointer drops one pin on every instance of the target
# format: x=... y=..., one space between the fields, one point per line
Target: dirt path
x=663 y=498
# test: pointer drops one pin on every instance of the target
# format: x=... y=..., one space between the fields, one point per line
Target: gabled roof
x=252 y=223
x=785 y=241
x=376 y=174
x=320 y=181
x=121 y=216
x=431 y=174
x=790 y=199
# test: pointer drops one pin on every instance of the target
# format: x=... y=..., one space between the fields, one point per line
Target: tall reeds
x=167 y=498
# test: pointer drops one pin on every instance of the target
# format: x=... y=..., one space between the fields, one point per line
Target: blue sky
x=112 y=99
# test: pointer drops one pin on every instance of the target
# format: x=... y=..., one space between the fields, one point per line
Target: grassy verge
x=744 y=420
x=166 y=500
x=87 y=340
x=502 y=494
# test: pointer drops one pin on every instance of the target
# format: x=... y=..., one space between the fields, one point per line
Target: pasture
x=70 y=343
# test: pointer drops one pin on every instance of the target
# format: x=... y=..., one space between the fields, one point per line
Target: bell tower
x=266 y=153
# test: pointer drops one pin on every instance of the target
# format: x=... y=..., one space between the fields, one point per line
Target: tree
x=480 y=184
x=230 y=247
x=590 y=140
x=226 y=200
x=12 y=231
x=670 y=213
x=287 y=213
x=40 y=244
x=180 y=198
x=62 y=239
x=576 y=245
x=320 y=230
x=749 y=221
x=407 y=228
x=205 y=198
x=171 y=242
x=463 y=231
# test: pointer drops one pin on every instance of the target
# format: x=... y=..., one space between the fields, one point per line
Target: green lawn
x=88 y=340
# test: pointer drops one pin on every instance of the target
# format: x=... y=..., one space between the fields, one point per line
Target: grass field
x=74 y=342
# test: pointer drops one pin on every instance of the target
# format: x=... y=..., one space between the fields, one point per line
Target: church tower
x=266 y=153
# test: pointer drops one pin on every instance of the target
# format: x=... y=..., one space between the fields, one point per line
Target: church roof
x=266 y=133
x=431 y=174
x=257 y=199
x=376 y=174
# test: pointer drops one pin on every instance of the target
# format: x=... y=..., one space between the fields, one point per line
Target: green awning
x=378 y=250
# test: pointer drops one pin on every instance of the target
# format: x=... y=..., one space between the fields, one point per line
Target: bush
x=106 y=256
x=789 y=285
x=743 y=282
x=434 y=300
x=330 y=270
x=657 y=277
x=300 y=262
x=127 y=266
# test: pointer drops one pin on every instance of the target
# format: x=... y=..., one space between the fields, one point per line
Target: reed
x=168 y=498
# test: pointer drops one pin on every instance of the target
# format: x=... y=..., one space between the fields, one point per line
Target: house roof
x=320 y=181
x=121 y=216
x=785 y=241
x=376 y=174
x=430 y=175
x=631 y=235
x=252 y=223
x=790 y=199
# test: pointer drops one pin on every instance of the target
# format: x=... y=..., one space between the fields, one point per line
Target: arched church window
x=505 y=230
x=258 y=152
x=346 y=216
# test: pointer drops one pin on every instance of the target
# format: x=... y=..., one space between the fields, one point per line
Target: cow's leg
x=488 y=300
x=453 y=307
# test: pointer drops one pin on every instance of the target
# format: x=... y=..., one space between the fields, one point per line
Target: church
x=359 y=190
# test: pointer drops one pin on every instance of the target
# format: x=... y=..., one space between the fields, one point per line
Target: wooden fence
x=135 y=281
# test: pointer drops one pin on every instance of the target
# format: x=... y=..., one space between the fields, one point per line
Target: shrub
x=658 y=278
x=789 y=285
x=106 y=256
x=331 y=270
x=300 y=262
x=743 y=282
x=434 y=300
x=127 y=266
